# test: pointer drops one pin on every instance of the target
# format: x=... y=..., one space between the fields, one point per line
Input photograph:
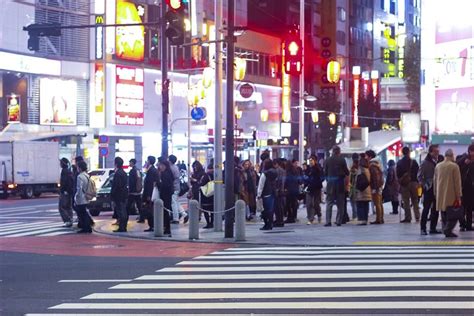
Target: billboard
x=13 y=108
x=58 y=102
x=129 y=108
x=130 y=40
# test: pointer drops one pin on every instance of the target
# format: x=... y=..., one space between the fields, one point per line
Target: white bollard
x=158 y=210
x=240 y=220
x=193 y=220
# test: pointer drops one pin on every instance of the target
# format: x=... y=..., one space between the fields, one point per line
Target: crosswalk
x=297 y=280
x=33 y=228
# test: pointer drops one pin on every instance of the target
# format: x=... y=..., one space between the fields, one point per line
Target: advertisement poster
x=454 y=110
x=411 y=127
x=129 y=109
x=130 y=40
x=13 y=108
x=58 y=102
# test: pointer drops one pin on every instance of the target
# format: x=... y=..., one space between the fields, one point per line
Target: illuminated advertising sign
x=285 y=96
x=355 y=96
x=130 y=40
x=454 y=111
x=129 y=96
x=99 y=37
x=97 y=109
x=13 y=108
x=58 y=102
x=411 y=127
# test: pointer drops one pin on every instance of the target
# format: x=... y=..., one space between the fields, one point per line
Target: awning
x=31 y=132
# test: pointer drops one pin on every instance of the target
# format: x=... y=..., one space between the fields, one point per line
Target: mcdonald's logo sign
x=99 y=19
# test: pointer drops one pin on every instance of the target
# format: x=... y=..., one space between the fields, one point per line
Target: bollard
x=158 y=218
x=240 y=220
x=193 y=220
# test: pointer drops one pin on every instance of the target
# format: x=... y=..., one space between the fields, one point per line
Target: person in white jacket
x=80 y=198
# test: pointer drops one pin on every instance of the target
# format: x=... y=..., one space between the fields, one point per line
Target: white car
x=99 y=176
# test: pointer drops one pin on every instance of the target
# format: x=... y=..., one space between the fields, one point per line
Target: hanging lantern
x=333 y=71
x=240 y=67
x=264 y=115
x=315 y=116
x=332 y=119
x=207 y=76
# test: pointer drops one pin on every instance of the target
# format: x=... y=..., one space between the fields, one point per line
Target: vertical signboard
x=129 y=96
x=286 y=92
x=13 y=108
x=97 y=109
x=99 y=37
x=130 y=40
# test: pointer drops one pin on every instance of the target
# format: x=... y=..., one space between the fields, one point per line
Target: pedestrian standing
x=407 y=171
x=80 y=199
x=250 y=188
x=376 y=185
x=335 y=172
x=447 y=190
x=135 y=187
x=363 y=193
x=392 y=187
x=177 y=208
x=279 y=206
x=352 y=184
x=314 y=185
x=86 y=216
x=151 y=178
x=466 y=165
x=119 y=194
x=207 y=202
x=166 y=188
x=66 y=191
x=266 y=191
x=425 y=177
x=292 y=189
x=198 y=173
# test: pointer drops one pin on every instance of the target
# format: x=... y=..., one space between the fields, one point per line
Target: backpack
x=139 y=184
x=91 y=189
x=361 y=182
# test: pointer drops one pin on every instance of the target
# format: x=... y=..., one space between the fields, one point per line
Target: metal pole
x=229 y=138
x=164 y=83
x=218 y=186
x=301 y=95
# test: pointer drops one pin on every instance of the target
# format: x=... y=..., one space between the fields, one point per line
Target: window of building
x=393 y=6
x=341 y=14
x=341 y=37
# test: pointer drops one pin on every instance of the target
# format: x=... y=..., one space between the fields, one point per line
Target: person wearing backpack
x=80 y=199
x=407 y=171
x=119 y=194
x=363 y=191
x=135 y=186
x=66 y=190
x=376 y=185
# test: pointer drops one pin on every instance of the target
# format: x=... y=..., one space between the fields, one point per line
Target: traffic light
x=176 y=28
x=35 y=31
x=293 y=53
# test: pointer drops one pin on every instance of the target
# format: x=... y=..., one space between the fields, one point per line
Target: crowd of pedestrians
x=275 y=189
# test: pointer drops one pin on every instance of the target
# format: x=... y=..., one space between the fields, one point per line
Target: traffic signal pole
x=229 y=133
x=164 y=83
x=301 y=94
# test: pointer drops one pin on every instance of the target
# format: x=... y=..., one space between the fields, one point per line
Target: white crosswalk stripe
x=371 y=280
x=35 y=228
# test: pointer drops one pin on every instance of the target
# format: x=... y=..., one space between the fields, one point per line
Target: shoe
x=376 y=223
x=67 y=224
x=451 y=235
x=115 y=224
x=266 y=228
x=327 y=225
x=319 y=219
x=208 y=226
x=362 y=223
x=462 y=229
x=174 y=222
x=338 y=225
x=309 y=223
x=249 y=218
x=149 y=230
x=141 y=221
x=394 y=213
x=418 y=220
x=186 y=219
x=120 y=231
x=423 y=232
x=279 y=225
x=92 y=223
x=433 y=232
x=290 y=221
x=82 y=231
x=406 y=221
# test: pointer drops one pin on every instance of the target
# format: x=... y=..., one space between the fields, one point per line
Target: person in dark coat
x=392 y=187
x=66 y=193
x=335 y=173
x=250 y=188
x=166 y=188
x=134 y=189
x=407 y=172
x=466 y=166
x=207 y=202
x=151 y=178
x=266 y=191
x=292 y=184
x=119 y=194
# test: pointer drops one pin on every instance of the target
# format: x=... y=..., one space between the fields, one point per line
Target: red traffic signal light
x=175 y=5
x=293 y=54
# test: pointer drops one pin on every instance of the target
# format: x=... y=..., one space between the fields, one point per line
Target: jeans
x=122 y=214
x=353 y=207
x=268 y=211
x=313 y=207
x=292 y=206
x=279 y=209
x=363 y=210
x=336 y=198
x=65 y=207
x=175 y=206
x=84 y=218
x=429 y=202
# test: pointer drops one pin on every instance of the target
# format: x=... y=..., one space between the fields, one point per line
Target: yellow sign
x=129 y=40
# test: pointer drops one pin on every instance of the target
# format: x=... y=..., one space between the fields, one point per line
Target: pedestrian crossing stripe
x=38 y=228
x=212 y=286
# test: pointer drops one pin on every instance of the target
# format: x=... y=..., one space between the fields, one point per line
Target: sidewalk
x=390 y=233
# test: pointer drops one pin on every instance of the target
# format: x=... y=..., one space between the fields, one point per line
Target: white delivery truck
x=29 y=168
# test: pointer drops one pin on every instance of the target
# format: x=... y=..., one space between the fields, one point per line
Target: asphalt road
x=46 y=269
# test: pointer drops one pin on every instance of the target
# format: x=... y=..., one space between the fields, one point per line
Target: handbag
x=208 y=189
x=155 y=196
x=454 y=213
